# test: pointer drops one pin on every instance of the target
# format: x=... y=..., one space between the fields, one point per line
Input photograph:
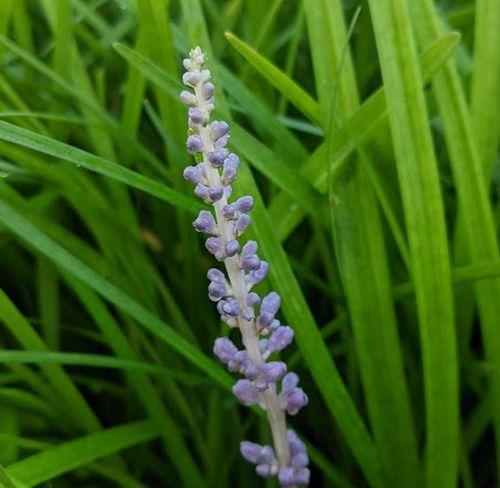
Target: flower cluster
x=265 y=383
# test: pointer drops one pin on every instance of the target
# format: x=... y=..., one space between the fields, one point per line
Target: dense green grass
x=369 y=132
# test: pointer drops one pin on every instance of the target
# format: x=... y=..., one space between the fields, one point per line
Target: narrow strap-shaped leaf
x=362 y=259
x=425 y=225
x=61 y=459
x=476 y=217
x=80 y=158
x=287 y=87
x=367 y=119
x=41 y=242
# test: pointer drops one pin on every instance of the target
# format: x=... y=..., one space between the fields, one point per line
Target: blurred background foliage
x=369 y=132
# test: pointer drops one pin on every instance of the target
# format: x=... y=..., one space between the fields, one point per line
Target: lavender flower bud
x=215 y=274
x=208 y=91
x=216 y=291
x=250 y=247
x=274 y=371
x=302 y=477
x=286 y=476
x=255 y=277
x=252 y=299
x=194 y=144
x=191 y=79
x=213 y=245
x=231 y=165
x=218 y=129
x=228 y=211
x=205 y=223
x=281 y=338
x=250 y=263
x=187 y=98
x=263 y=470
x=202 y=191
x=242 y=224
x=300 y=461
x=232 y=247
x=224 y=349
x=216 y=158
x=270 y=305
x=246 y=392
x=221 y=142
x=240 y=362
x=215 y=194
x=295 y=400
x=229 y=307
x=194 y=174
x=196 y=116
x=289 y=383
x=257 y=454
x=244 y=204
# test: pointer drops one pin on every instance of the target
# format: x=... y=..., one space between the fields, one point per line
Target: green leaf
x=60 y=256
x=61 y=459
x=368 y=118
x=425 y=225
x=287 y=87
x=80 y=158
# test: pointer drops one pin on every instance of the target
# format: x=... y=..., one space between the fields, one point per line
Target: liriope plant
x=266 y=383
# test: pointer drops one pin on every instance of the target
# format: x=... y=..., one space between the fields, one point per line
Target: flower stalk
x=261 y=334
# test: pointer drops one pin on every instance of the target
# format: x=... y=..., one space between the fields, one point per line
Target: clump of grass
x=369 y=140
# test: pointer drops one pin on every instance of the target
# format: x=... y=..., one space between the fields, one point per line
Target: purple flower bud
x=300 y=461
x=257 y=454
x=232 y=247
x=252 y=299
x=248 y=314
x=224 y=349
x=271 y=303
x=289 y=383
x=202 y=191
x=250 y=247
x=216 y=291
x=242 y=223
x=228 y=211
x=302 y=477
x=293 y=400
x=231 y=165
x=218 y=129
x=205 y=75
x=229 y=307
x=215 y=194
x=286 y=476
x=228 y=176
x=205 y=223
x=244 y=204
x=194 y=174
x=239 y=363
x=246 y=392
x=194 y=144
x=208 y=90
x=281 y=338
x=274 y=371
x=250 y=263
x=295 y=445
x=213 y=245
x=196 y=116
x=215 y=274
x=187 y=98
x=263 y=470
x=221 y=142
x=216 y=158
x=257 y=276
x=251 y=371
x=191 y=79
